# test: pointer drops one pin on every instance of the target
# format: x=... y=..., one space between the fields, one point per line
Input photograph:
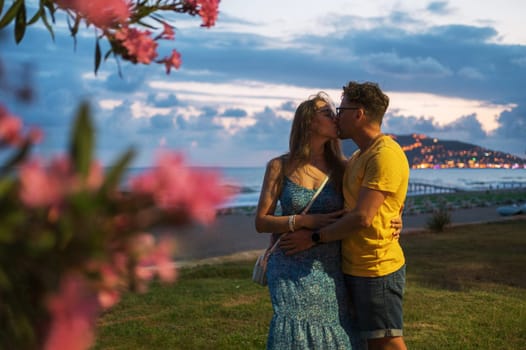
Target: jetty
x=428 y=188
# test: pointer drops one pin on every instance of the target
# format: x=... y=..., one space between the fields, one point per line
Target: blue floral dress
x=307 y=290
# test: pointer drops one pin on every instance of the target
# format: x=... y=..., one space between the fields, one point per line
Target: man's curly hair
x=369 y=96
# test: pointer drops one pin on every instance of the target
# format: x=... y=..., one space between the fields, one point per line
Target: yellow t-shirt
x=372 y=252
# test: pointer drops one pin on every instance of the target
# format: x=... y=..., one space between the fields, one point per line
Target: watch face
x=315 y=237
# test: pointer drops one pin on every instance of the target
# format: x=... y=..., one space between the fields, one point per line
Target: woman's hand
x=314 y=221
x=297 y=241
x=396 y=224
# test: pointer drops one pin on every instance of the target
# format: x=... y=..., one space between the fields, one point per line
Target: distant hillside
x=427 y=152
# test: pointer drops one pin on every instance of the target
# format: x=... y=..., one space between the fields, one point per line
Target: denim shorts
x=377 y=304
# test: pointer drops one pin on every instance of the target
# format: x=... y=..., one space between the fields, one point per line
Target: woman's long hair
x=300 y=136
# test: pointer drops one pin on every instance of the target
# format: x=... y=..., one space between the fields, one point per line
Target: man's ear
x=360 y=115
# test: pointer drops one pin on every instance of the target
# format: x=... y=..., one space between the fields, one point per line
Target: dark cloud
x=181 y=123
x=234 y=113
x=439 y=7
x=289 y=106
x=463 y=34
x=512 y=124
x=408 y=125
x=466 y=128
x=208 y=112
x=469 y=125
x=395 y=17
x=270 y=132
x=163 y=101
x=162 y=122
x=386 y=64
x=453 y=60
x=125 y=82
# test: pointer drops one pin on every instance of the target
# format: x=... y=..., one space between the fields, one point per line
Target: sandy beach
x=233 y=236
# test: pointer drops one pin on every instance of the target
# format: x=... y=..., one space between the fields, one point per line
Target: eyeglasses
x=326 y=112
x=340 y=109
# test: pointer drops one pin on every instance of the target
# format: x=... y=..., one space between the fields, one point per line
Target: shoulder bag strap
x=304 y=211
x=315 y=195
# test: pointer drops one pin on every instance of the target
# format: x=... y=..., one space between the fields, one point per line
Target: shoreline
x=427 y=203
x=233 y=237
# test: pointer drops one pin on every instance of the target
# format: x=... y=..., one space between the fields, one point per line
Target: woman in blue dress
x=308 y=294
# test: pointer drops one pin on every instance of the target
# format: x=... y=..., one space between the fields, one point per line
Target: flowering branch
x=120 y=22
x=71 y=241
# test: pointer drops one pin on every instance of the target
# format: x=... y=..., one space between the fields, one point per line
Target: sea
x=248 y=181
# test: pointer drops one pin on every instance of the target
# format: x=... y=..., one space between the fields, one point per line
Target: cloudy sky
x=453 y=70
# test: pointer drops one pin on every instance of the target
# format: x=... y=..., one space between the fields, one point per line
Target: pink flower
x=62 y=169
x=142 y=244
x=108 y=297
x=73 y=310
x=41 y=186
x=144 y=183
x=120 y=261
x=154 y=258
x=139 y=44
x=35 y=135
x=173 y=61
x=141 y=248
x=174 y=186
x=109 y=294
x=168 y=32
x=101 y=13
x=37 y=188
x=162 y=259
x=208 y=12
x=10 y=128
x=95 y=176
x=204 y=204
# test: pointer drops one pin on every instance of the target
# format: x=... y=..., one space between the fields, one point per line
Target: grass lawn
x=466 y=289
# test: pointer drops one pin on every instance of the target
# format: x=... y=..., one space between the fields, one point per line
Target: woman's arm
x=266 y=221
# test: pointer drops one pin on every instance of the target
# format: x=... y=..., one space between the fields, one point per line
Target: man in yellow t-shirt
x=382 y=167
x=374 y=188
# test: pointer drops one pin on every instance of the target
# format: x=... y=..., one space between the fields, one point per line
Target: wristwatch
x=316 y=237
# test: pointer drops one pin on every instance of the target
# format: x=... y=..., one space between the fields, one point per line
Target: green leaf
x=48 y=26
x=6 y=235
x=6 y=184
x=65 y=229
x=114 y=176
x=16 y=158
x=82 y=140
x=107 y=54
x=5 y=283
x=50 y=7
x=1 y=6
x=35 y=17
x=98 y=56
x=20 y=23
x=11 y=13
x=45 y=241
x=73 y=29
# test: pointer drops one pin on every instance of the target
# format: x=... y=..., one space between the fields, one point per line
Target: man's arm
x=369 y=201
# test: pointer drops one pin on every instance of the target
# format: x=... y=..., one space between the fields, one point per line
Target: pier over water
x=416 y=188
x=427 y=188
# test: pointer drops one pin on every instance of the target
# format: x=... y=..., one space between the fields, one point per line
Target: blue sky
x=453 y=70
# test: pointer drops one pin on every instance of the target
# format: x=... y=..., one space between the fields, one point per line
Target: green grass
x=466 y=289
